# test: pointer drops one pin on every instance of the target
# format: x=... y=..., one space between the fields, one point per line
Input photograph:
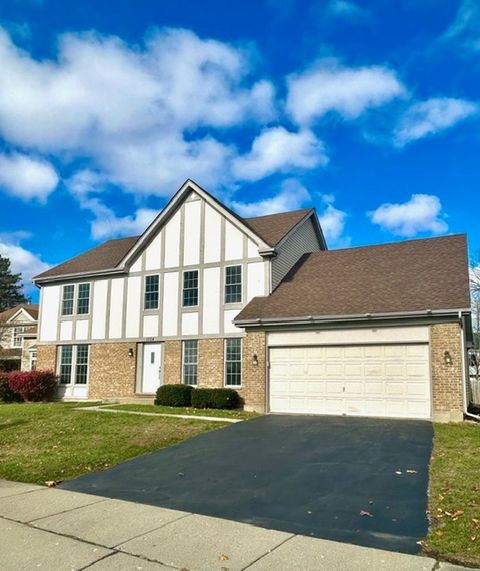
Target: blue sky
x=369 y=111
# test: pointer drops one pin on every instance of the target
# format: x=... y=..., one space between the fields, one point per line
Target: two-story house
x=18 y=336
x=210 y=299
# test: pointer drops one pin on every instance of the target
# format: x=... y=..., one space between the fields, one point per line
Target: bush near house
x=174 y=395
x=215 y=398
x=33 y=386
x=6 y=393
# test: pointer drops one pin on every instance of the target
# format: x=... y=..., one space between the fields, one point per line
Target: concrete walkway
x=51 y=529
x=105 y=408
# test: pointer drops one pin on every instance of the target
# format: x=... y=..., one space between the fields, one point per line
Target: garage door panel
x=371 y=380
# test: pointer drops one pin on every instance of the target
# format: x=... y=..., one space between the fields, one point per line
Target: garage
x=362 y=378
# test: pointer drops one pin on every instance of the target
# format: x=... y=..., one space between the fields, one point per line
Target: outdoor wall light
x=130 y=352
x=255 y=359
x=447 y=358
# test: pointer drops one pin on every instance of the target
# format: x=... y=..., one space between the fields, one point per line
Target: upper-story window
x=151 y=292
x=17 y=336
x=233 y=284
x=190 y=288
x=67 y=299
x=83 y=300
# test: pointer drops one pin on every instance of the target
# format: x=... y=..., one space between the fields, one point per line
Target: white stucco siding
x=212 y=235
x=99 y=309
x=233 y=242
x=116 y=308
x=255 y=280
x=134 y=292
x=150 y=326
x=170 y=304
x=191 y=230
x=66 y=330
x=50 y=300
x=153 y=253
x=172 y=241
x=81 y=330
x=211 y=301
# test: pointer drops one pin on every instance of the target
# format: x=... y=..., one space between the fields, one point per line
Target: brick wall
x=254 y=375
x=46 y=357
x=112 y=371
x=210 y=363
x=172 y=362
x=447 y=380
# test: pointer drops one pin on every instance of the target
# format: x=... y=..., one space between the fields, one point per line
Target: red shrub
x=6 y=393
x=33 y=385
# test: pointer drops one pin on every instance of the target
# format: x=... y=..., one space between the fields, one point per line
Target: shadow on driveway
x=310 y=475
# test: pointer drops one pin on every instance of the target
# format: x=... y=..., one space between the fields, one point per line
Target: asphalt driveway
x=356 y=480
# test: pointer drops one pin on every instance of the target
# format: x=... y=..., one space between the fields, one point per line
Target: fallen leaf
x=439 y=532
x=51 y=483
x=473 y=538
x=370 y=502
x=399 y=472
x=457 y=514
x=410 y=471
x=223 y=557
x=364 y=513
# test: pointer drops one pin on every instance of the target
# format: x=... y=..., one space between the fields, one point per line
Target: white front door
x=363 y=380
x=152 y=367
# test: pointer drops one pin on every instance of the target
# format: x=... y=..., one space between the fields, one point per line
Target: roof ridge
x=279 y=213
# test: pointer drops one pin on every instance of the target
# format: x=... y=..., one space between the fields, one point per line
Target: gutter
x=466 y=372
x=313 y=319
x=62 y=277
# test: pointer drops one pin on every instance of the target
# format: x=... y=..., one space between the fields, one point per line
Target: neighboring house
x=18 y=337
x=211 y=299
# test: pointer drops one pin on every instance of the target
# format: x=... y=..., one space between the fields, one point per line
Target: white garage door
x=363 y=380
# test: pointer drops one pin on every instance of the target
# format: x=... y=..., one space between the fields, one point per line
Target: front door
x=152 y=367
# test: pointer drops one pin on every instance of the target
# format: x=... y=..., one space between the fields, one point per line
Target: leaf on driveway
x=223 y=557
x=411 y=471
x=399 y=472
x=364 y=513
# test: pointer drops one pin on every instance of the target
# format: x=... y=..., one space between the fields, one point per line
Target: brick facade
x=210 y=363
x=447 y=379
x=47 y=357
x=172 y=362
x=254 y=371
x=112 y=371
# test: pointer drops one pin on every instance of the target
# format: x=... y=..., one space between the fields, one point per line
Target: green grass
x=454 y=502
x=42 y=442
x=240 y=414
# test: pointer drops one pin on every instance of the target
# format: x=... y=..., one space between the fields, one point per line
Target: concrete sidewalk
x=53 y=529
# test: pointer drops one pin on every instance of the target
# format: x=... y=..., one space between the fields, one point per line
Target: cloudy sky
x=369 y=111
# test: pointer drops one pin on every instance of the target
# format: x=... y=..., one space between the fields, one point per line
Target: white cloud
x=279 y=150
x=22 y=260
x=345 y=9
x=349 y=91
x=27 y=177
x=465 y=28
x=332 y=220
x=421 y=214
x=431 y=117
x=291 y=196
x=133 y=111
x=112 y=225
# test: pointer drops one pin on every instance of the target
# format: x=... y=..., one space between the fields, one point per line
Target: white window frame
x=90 y=300
x=32 y=359
x=225 y=284
x=73 y=372
x=18 y=336
x=63 y=298
x=183 y=363
x=198 y=288
x=145 y=292
x=225 y=363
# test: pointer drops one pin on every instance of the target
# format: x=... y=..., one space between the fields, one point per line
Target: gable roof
x=402 y=277
x=113 y=255
x=30 y=308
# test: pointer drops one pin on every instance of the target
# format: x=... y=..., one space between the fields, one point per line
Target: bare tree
x=475 y=293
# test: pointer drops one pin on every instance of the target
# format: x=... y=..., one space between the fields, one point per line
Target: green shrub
x=6 y=393
x=174 y=395
x=215 y=398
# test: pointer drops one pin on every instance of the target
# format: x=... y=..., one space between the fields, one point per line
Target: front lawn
x=454 y=501
x=45 y=442
x=238 y=414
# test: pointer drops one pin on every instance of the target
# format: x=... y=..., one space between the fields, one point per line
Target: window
x=33 y=360
x=67 y=299
x=233 y=362
x=190 y=288
x=83 y=301
x=190 y=362
x=233 y=284
x=66 y=357
x=17 y=336
x=73 y=364
x=151 y=292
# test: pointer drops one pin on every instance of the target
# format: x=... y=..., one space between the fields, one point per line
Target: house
x=18 y=336
x=210 y=299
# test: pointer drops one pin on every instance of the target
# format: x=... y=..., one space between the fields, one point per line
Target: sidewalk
x=51 y=529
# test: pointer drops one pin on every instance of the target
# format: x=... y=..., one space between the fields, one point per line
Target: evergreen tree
x=11 y=288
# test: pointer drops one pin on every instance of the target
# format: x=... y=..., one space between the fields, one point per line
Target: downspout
x=466 y=370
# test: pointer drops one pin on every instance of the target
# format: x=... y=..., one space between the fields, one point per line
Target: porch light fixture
x=255 y=359
x=130 y=352
x=447 y=358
